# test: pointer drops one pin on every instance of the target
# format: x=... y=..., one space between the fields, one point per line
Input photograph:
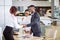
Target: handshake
x=24 y=25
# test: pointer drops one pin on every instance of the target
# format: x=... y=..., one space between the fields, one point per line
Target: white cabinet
x=7 y=13
x=8 y=2
x=1 y=2
x=7 y=8
x=0 y=33
x=5 y=2
x=1 y=16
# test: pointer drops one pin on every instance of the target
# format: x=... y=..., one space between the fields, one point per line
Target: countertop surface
x=31 y=38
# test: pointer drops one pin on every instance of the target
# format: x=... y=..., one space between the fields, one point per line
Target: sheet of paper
x=26 y=20
x=45 y=20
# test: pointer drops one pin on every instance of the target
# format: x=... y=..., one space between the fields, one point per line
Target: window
x=57 y=12
x=20 y=8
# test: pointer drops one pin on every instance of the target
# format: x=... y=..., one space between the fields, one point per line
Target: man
x=35 y=22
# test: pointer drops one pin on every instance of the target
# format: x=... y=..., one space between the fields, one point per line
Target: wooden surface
x=36 y=38
x=31 y=38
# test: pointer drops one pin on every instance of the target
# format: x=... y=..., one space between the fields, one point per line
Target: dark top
x=35 y=23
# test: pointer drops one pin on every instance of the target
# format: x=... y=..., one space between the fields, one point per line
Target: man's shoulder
x=36 y=13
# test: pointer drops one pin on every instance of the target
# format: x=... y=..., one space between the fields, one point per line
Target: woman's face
x=15 y=13
x=13 y=10
x=27 y=13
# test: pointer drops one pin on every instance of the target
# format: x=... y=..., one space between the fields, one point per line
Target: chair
x=50 y=34
x=58 y=34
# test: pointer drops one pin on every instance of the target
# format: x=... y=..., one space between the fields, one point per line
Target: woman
x=8 y=32
x=26 y=20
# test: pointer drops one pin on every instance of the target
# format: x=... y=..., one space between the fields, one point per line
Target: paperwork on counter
x=46 y=21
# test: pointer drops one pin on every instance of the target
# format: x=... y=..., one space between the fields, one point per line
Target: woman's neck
x=26 y=16
x=13 y=14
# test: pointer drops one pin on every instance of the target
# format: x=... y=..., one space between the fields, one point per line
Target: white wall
x=27 y=3
x=1 y=13
x=5 y=2
x=8 y=4
x=4 y=11
x=1 y=2
x=1 y=16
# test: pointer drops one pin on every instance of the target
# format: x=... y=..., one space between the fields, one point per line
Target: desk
x=45 y=20
x=31 y=38
x=16 y=37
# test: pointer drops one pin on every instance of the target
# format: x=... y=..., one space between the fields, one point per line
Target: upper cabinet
x=39 y=0
x=8 y=2
x=5 y=2
x=1 y=16
x=1 y=2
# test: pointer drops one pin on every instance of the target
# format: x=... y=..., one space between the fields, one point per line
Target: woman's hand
x=22 y=19
x=24 y=25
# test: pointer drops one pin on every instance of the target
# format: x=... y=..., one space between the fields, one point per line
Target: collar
x=32 y=13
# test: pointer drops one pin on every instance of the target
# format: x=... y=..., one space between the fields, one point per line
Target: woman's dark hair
x=26 y=10
x=13 y=9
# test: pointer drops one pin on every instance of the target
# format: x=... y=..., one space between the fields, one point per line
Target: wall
x=1 y=16
x=1 y=13
x=4 y=11
x=27 y=3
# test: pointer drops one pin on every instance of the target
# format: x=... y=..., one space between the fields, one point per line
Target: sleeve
x=17 y=26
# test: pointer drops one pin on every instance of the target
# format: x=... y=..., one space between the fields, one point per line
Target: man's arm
x=37 y=17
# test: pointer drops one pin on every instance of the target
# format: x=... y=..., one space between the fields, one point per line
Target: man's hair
x=31 y=6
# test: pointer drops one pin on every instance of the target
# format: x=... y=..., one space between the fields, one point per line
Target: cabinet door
x=8 y=2
x=1 y=2
x=7 y=14
x=1 y=16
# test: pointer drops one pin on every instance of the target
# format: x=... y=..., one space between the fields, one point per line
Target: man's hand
x=24 y=25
